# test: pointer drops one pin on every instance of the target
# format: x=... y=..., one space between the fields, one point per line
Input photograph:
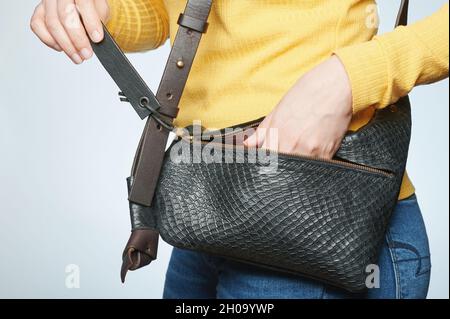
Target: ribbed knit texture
x=388 y=67
x=255 y=50
x=138 y=25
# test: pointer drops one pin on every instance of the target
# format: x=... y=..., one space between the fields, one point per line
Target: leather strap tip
x=123 y=273
x=133 y=260
x=127 y=262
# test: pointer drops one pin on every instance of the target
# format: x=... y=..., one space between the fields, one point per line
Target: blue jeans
x=404 y=265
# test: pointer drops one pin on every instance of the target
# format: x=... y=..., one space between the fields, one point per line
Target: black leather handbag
x=323 y=219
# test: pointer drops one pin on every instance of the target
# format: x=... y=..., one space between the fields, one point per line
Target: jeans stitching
x=420 y=270
x=398 y=293
x=424 y=272
x=411 y=248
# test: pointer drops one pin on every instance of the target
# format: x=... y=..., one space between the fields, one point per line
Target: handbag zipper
x=298 y=156
x=337 y=162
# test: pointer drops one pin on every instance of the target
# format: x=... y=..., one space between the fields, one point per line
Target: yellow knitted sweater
x=255 y=50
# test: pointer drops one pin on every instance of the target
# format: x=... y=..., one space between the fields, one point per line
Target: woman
x=315 y=68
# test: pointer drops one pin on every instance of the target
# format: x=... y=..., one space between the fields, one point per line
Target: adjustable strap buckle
x=125 y=75
x=144 y=102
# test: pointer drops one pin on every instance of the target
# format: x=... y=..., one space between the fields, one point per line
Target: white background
x=66 y=146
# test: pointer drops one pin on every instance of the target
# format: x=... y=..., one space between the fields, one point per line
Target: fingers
x=68 y=25
x=289 y=139
x=91 y=19
x=256 y=140
x=70 y=20
x=58 y=32
x=317 y=146
x=38 y=26
x=271 y=141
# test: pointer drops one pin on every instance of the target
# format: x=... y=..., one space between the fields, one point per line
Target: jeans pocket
x=408 y=245
x=412 y=271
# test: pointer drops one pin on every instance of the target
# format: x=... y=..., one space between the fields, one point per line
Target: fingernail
x=86 y=53
x=76 y=59
x=57 y=48
x=96 y=37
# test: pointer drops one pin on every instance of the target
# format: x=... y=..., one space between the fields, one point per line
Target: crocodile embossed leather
x=321 y=219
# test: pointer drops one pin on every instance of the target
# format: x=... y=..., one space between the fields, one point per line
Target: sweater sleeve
x=138 y=25
x=388 y=67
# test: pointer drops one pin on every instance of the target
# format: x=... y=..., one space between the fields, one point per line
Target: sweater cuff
x=368 y=72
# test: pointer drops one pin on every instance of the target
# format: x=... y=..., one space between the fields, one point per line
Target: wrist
x=343 y=84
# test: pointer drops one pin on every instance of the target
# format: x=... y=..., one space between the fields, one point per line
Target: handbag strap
x=151 y=150
x=402 y=17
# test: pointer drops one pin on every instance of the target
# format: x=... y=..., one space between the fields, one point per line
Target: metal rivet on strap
x=180 y=64
x=144 y=101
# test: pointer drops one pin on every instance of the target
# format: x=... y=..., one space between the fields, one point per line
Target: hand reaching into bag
x=313 y=117
x=67 y=25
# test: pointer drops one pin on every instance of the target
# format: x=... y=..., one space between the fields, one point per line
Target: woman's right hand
x=67 y=25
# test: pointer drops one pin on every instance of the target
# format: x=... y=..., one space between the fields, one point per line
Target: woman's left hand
x=313 y=117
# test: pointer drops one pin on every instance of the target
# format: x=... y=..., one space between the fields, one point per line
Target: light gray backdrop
x=66 y=145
